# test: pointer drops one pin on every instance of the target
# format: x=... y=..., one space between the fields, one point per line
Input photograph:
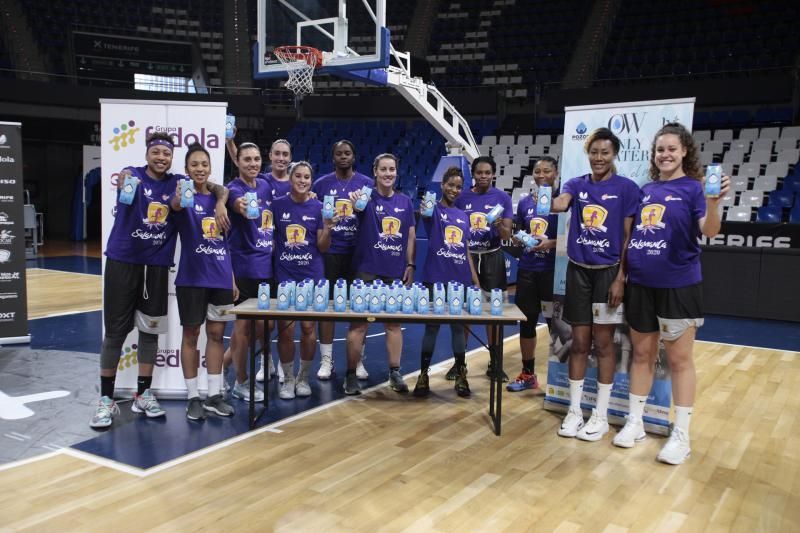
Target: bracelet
x=412 y=266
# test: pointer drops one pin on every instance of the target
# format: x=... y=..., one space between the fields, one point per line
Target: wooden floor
x=393 y=463
x=52 y=292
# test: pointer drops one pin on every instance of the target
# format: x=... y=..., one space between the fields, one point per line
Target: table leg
x=498 y=371
x=492 y=375
x=265 y=352
x=252 y=402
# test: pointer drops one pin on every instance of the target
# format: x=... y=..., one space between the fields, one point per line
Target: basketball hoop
x=300 y=63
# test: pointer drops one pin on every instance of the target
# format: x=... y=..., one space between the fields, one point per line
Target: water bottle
x=493 y=214
x=475 y=300
x=544 y=201
x=526 y=239
x=263 y=296
x=340 y=296
x=284 y=296
x=361 y=203
x=428 y=203
x=301 y=297
x=187 y=193
x=128 y=191
x=328 y=207
x=439 y=299
x=423 y=300
x=496 y=299
x=251 y=201
x=407 y=306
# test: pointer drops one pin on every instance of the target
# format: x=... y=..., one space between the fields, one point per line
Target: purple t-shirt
x=541 y=228
x=296 y=254
x=664 y=251
x=599 y=209
x=482 y=235
x=447 y=230
x=343 y=236
x=205 y=259
x=383 y=235
x=279 y=188
x=144 y=232
x=250 y=240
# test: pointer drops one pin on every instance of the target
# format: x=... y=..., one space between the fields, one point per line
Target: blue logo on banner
x=581 y=129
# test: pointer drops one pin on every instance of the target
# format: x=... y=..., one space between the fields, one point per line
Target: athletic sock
x=214 y=384
x=351 y=371
x=143 y=383
x=527 y=366
x=575 y=393
x=393 y=368
x=107 y=385
x=683 y=417
x=326 y=349
x=461 y=359
x=288 y=369
x=636 y=406
x=191 y=388
x=603 y=396
x=305 y=366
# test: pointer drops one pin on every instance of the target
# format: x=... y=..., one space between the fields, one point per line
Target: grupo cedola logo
x=124 y=135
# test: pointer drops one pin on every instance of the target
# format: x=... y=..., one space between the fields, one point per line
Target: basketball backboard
x=352 y=35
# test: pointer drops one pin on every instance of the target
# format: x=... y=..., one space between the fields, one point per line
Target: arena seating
x=690 y=38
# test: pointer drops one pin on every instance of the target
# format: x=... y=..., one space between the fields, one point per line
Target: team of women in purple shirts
x=633 y=256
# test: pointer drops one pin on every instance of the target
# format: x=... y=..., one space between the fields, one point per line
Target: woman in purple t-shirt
x=385 y=249
x=301 y=237
x=204 y=286
x=602 y=205
x=664 y=297
x=448 y=258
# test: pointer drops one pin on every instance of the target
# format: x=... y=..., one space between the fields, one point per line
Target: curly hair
x=691 y=161
x=450 y=173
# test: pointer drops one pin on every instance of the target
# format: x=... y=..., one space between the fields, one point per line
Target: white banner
x=124 y=126
x=635 y=123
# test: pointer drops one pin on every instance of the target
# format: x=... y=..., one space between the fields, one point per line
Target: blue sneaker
x=104 y=414
x=146 y=403
x=523 y=382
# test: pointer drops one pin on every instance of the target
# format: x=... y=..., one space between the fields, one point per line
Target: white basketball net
x=300 y=66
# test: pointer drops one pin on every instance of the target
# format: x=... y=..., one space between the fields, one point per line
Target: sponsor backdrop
x=124 y=126
x=13 y=294
x=635 y=123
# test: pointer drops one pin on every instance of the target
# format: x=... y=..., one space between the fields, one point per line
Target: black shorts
x=195 y=304
x=491 y=270
x=338 y=266
x=533 y=288
x=134 y=292
x=248 y=288
x=586 y=286
x=649 y=309
x=366 y=277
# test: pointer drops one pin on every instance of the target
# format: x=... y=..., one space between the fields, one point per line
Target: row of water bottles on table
x=378 y=297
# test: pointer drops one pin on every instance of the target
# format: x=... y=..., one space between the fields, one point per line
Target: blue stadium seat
x=769 y=213
x=781 y=198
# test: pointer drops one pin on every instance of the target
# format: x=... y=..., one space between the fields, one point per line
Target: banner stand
x=13 y=289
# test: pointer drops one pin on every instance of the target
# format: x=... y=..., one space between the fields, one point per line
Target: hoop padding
x=300 y=63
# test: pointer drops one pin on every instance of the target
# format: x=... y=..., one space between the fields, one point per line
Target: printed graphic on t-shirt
x=538 y=228
x=453 y=237
x=593 y=218
x=210 y=229
x=266 y=222
x=296 y=236
x=391 y=229
x=477 y=223
x=651 y=217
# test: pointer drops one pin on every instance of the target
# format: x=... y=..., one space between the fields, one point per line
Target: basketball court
x=382 y=460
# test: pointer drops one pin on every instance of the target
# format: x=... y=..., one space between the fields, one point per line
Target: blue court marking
x=772 y=334
x=70 y=263
x=145 y=443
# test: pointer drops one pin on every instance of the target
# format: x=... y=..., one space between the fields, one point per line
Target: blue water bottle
x=263 y=296
x=423 y=300
x=187 y=193
x=497 y=302
x=321 y=294
x=301 y=298
x=328 y=207
x=251 y=202
x=340 y=296
x=361 y=203
x=526 y=239
x=283 y=296
x=455 y=298
x=439 y=299
x=544 y=201
x=128 y=191
x=407 y=305
x=492 y=215
x=428 y=203
x=475 y=300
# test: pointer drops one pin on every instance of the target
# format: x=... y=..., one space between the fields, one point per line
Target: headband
x=161 y=142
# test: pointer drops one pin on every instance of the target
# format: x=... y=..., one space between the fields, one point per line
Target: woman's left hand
x=235 y=292
x=616 y=292
x=221 y=217
x=408 y=275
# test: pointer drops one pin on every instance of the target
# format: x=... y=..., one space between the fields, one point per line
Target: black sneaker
x=217 y=405
x=490 y=370
x=351 y=385
x=423 y=387
x=462 y=385
x=194 y=409
x=452 y=373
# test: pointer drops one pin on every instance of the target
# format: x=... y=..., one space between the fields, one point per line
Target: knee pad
x=148 y=346
x=111 y=351
x=672 y=329
x=527 y=330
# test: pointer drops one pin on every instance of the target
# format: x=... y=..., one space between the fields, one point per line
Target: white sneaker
x=361 y=372
x=571 y=424
x=325 y=368
x=677 y=449
x=301 y=388
x=630 y=434
x=287 y=390
x=595 y=428
x=242 y=391
x=260 y=374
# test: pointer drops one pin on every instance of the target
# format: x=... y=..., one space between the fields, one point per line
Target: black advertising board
x=13 y=293
x=119 y=57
